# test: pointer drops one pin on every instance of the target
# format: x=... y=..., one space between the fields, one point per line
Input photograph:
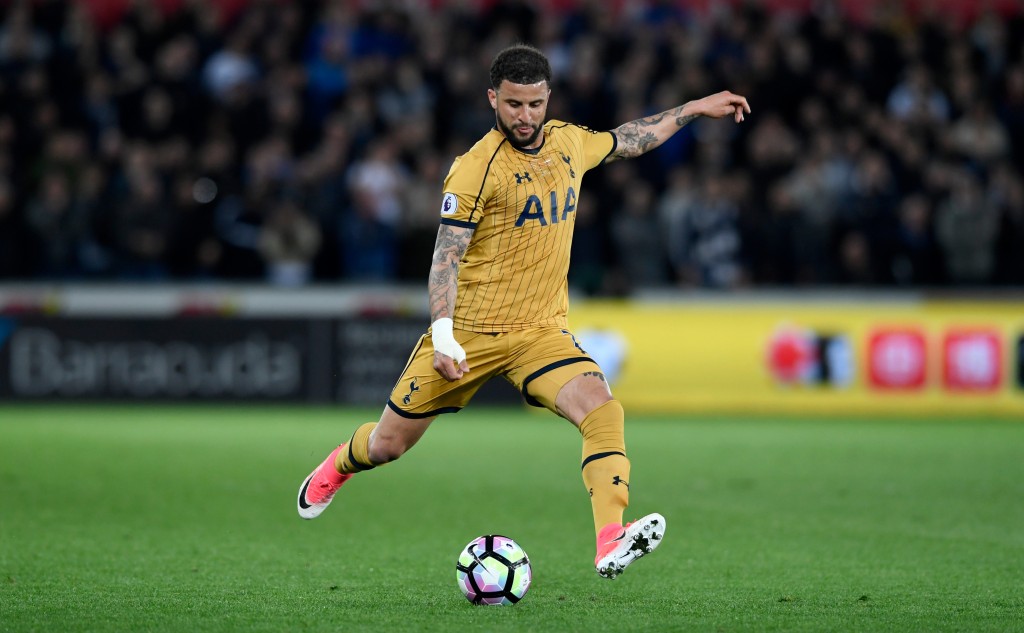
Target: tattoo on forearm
x=444 y=270
x=642 y=135
x=633 y=140
x=682 y=121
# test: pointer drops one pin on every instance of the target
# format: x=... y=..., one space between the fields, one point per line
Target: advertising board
x=350 y=360
x=777 y=356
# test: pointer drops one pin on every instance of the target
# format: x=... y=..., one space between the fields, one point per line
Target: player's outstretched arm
x=642 y=135
x=442 y=287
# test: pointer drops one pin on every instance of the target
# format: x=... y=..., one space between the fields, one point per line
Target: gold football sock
x=605 y=467
x=356 y=456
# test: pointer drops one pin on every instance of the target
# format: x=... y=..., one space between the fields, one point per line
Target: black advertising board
x=157 y=359
x=353 y=361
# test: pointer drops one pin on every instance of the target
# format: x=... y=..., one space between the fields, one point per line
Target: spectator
x=140 y=227
x=369 y=235
x=407 y=97
x=92 y=201
x=418 y=229
x=327 y=65
x=979 y=136
x=231 y=69
x=20 y=41
x=705 y=243
x=288 y=242
x=918 y=100
x=779 y=246
x=638 y=238
x=914 y=257
x=57 y=227
x=193 y=251
x=856 y=265
x=966 y=226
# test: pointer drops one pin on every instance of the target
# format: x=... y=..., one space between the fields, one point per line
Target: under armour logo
x=619 y=480
x=412 y=389
x=525 y=176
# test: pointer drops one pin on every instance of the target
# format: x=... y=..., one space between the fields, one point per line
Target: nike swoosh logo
x=616 y=539
x=302 y=494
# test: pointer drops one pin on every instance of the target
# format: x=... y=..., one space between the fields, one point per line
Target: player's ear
x=493 y=98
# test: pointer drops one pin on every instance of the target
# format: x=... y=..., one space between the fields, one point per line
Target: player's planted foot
x=618 y=546
x=318 y=489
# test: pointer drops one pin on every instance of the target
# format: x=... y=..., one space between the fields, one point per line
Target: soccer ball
x=494 y=570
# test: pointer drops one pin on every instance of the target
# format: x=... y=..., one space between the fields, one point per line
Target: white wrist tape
x=444 y=340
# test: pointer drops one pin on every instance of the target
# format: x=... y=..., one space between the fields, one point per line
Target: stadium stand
x=301 y=142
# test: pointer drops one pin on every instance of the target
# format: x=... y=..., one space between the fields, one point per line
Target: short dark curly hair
x=520 y=64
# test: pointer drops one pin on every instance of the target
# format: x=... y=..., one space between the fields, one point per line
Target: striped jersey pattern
x=521 y=205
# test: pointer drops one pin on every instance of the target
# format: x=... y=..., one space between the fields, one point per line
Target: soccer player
x=499 y=296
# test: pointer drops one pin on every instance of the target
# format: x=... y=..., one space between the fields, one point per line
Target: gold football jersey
x=522 y=205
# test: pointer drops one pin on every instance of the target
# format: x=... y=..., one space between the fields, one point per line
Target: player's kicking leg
x=618 y=546
x=606 y=475
x=390 y=438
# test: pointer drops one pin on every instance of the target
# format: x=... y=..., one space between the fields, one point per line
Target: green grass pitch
x=183 y=519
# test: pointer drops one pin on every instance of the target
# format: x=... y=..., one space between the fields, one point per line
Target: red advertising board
x=972 y=360
x=897 y=359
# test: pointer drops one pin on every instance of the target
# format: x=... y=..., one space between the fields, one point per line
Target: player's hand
x=449 y=357
x=449 y=370
x=722 y=104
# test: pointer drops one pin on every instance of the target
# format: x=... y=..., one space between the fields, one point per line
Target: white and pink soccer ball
x=494 y=570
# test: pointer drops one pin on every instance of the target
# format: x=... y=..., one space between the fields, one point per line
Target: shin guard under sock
x=605 y=466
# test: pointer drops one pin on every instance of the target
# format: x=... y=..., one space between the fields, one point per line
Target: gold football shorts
x=538 y=362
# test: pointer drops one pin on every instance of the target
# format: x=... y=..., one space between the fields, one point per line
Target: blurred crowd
x=300 y=142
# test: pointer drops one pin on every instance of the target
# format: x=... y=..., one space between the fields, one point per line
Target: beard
x=513 y=135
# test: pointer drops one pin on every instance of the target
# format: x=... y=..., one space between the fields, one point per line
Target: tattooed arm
x=442 y=286
x=449 y=248
x=642 y=135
